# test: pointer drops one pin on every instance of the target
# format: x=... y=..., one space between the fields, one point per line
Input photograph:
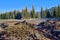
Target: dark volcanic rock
x=48 y=29
x=3 y=25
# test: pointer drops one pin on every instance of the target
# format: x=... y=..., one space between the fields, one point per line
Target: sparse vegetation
x=21 y=32
x=26 y=31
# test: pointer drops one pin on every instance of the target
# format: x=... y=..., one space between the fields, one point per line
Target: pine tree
x=18 y=15
x=14 y=13
x=33 y=15
x=58 y=10
x=48 y=15
x=26 y=13
x=23 y=14
x=55 y=12
x=41 y=13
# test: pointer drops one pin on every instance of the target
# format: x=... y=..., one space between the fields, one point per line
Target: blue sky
x=8 y=5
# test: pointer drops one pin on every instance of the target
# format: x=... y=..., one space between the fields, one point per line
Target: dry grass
x=22 y=32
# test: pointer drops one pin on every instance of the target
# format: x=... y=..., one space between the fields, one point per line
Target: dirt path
x=32 y=21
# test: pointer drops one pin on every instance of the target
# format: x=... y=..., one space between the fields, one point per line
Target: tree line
x=54 y=12
x=25 y=14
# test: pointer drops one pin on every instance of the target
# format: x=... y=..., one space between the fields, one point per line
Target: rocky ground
x=13 y=30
